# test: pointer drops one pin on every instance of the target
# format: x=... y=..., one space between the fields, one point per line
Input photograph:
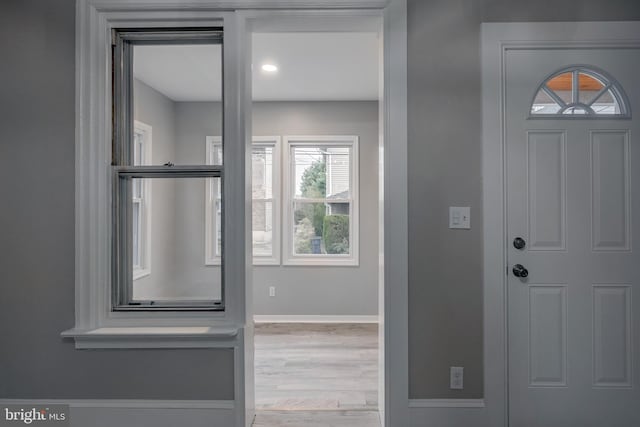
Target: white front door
x=573 y=197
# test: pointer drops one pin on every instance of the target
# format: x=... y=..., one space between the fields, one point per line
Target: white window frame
x=97 y=325
x=276 y=200
x=145 y=203
x=290 y=258
x=212 y=258
x=125 y=170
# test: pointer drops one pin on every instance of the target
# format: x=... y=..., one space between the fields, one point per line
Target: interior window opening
x=159 y=218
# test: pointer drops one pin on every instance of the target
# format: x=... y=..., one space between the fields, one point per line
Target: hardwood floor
x=316 y=375
x=317 y=419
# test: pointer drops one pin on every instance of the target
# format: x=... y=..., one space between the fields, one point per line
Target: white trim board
x=447 y=416
x=496 y=40
x=446 y=403
x=295 y=318
x=250 y=4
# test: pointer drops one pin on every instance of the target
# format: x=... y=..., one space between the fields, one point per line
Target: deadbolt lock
x=519 y=243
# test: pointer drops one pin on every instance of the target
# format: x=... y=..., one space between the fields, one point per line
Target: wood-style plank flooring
x=316 y=375
x=316 y=419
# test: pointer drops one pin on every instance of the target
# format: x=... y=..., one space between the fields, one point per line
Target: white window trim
x=289 y=257
x=213 y=259
x=96 y=324
x=210 y=257
x=147 y=132
x=275 y=142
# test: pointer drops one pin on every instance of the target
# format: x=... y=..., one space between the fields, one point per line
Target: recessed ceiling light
x=269 y=68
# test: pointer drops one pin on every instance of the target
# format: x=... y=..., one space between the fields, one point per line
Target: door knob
x=519 y=243
x=520 y=271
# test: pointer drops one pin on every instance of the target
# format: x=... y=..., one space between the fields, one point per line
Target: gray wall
x=156 y=110
x=299 y=290
x=191 y=149
x=445 y=266
x=177 y=213
x=37 y=122
x=36 y=248
x=326 y=290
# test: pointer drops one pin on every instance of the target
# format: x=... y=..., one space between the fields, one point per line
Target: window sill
x=257 y=261
x=322 y=262
x=139 y=274
x=260 y=261
x=153 y=337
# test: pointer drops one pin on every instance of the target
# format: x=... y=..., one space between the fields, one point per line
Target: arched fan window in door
x=579 y=92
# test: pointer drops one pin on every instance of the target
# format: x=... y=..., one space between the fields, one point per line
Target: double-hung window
x=320 y=217
x=179 y=280
x=265 y=194
x=321 y=204
x=265 y=191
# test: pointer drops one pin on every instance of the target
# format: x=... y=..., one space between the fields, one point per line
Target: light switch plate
x=460 y=217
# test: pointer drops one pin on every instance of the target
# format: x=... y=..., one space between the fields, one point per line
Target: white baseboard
x=137 y=413
x=268 y=318
x=447 y=413
x=446 y=403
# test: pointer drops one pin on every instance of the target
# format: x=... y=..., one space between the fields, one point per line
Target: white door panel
x=573 y=196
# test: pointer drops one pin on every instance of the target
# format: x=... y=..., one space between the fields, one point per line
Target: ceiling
x=311 y=67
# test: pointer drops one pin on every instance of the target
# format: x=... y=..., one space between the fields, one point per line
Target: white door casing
x=393 y=281
x=561 y=341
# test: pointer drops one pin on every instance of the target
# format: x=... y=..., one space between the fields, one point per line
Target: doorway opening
x=316 y=225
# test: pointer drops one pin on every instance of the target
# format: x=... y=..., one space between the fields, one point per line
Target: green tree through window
x=314 y=186
x=323 y=201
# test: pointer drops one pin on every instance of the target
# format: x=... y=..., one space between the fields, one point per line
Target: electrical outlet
x=272 y=291
x=456 y=378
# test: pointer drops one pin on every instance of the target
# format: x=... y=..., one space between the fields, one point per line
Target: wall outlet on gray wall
x=272 y=291
x=457 y=377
